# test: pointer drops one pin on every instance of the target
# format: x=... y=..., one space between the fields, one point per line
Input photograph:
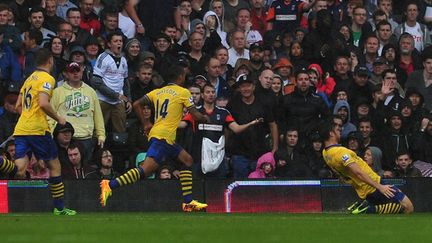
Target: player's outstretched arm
x=236 y=128
x=45 y=105
x=384 y=189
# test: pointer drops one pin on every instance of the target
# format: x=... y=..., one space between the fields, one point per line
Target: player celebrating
x=381 y=199
x=32 y=131
x=169 y=103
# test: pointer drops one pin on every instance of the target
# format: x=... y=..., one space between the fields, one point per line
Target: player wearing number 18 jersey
x=169 y=103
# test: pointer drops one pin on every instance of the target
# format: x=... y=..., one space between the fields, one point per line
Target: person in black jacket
x=303 y=108
x=393 y=140
x=404 y=166
x=248 y=146
x=291 y=162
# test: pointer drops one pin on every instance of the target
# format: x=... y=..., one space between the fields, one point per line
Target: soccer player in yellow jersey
x=353 y=170
x=169 y=103
x=32 y=134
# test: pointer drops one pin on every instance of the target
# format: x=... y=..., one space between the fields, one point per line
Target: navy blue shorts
x=377 y=197
x=160 y=150
x=43 y=147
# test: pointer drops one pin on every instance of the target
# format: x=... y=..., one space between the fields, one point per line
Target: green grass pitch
x=204 y=228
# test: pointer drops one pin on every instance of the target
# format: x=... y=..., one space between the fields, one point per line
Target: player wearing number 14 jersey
x=169 y=103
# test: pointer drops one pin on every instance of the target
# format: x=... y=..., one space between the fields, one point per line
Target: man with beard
x=303 y=108
x=256 y=55
x=410 y=59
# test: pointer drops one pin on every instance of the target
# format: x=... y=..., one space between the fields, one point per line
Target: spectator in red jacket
x=89 y=20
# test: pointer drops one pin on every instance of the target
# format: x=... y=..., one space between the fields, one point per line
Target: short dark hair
x=241 y=9
x=403 y=152
x=365 y=119
x=42 y=56
x=37 y=10
x=75 y=145
x=206 y=85
x=36 y=35
x=325 y=128
x=382 y=23
x=173 y=73
x=110 y=11
x=114 y=33
x=390 y=70
x=4 y=7
x=377 y=13
x=301 y=71
x=144 y=66
x=72 y=10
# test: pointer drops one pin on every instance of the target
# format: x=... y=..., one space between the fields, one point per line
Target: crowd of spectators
x=266 y=72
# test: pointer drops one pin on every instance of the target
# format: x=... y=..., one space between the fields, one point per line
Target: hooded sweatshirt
x=80 y=106
x=326 y=86
x=347 y=126
x=222 y=34
x=376 y=159
x=259 y=172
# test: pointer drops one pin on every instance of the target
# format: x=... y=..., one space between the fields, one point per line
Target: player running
x=381 y=199
x=169 y=103
x=32 y=134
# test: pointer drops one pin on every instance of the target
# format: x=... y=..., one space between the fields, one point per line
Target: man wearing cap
x=256 y=58
x=164 y=58
x=393 y=139
x=110 y=82
x=248 y=146
x=379 y=65
x=360 y=88
x=78 y=54
x=62 y=135
x=79 y=104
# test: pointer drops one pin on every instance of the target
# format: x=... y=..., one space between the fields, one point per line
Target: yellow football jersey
x=338 y=158
x=168 y=102
x=33 y=120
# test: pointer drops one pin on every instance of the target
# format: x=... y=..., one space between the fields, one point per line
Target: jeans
x=242 y=166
